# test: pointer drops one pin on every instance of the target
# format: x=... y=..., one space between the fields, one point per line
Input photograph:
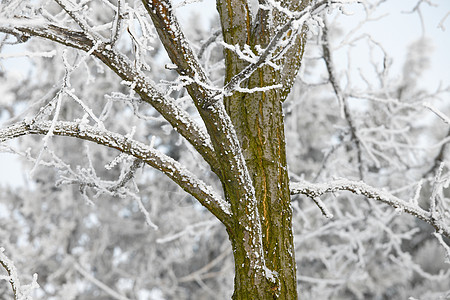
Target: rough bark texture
x=258 y=121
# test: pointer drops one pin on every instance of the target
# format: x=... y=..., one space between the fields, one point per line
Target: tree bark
x=259 y=125
x=258 y=120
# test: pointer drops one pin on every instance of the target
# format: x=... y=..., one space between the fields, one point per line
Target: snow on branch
x=21 y=292
x=165 y=105
x=279 y=44
x=315 y=190
x=437 y=112
x=122 y=66
x=212 y=111
x=342 y=100
x=170 y=167
x=72 y=11
x=180 y=51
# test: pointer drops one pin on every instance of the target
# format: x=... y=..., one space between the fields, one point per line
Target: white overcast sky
x=395 y=31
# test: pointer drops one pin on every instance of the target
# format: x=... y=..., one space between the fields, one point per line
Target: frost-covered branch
x=179 y=51
x=21 y=292
x=343 y=103
x=279 y=44
x=173 y=169
x=165 y=105
x=123 y=180
x=121 y=65
x=440 y=157
x=207 y=99
x=220 y=149
x=73 y=13
x=438 y=113
x=116 y=24
x=444 y=245
x=314 y=190
x=44 y=29
x=208 y=42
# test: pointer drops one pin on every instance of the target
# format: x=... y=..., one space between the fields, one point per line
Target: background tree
x=213 y=123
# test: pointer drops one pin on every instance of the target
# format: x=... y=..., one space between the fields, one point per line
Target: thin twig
x=115 y=31
x=98 y=283
x=342 y=100
x=439 y=158
x=208 y=42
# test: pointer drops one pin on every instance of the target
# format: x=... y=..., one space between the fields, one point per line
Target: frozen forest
x=228 y=149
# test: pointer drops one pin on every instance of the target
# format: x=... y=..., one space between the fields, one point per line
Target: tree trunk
x=254 y=173
x=258 y=121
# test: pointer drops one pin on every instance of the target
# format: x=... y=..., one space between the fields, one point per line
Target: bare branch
x=341 y=99
x=438 y=113
x=314 y=190
x=208 y=42
x=173 y=169
x=112 y=293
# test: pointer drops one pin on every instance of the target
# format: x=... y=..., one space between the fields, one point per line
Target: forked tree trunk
x=251 y=157
x=258 y=121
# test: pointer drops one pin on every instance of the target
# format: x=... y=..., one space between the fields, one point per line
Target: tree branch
x=208 y=42
x=171 y=168
x=80 y=21
x=208 y=100
x=236 y=22
x=439 y=158
x=341 y=99
x=234 y=173
x=226 y=160
x=165 y=105
x=112 y=293
x=360 y=188
x=277 y=44
x=12 y=273
x=179 y=51
x=20 y=291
